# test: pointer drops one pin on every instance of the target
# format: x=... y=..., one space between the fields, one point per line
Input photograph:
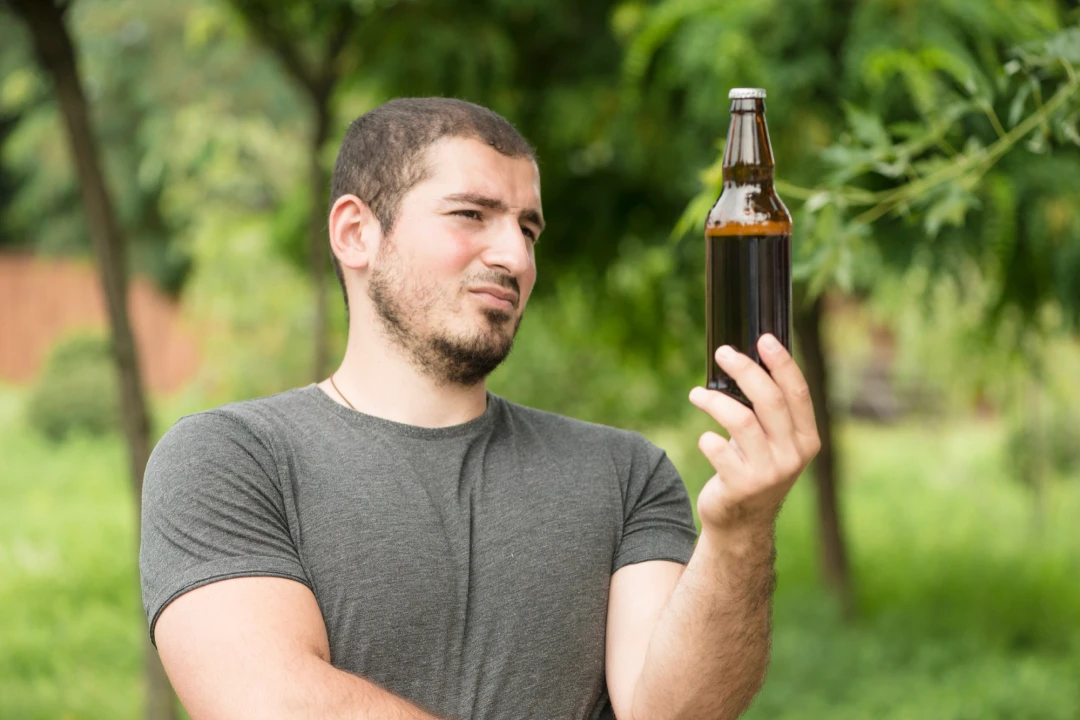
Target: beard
x=406 y=312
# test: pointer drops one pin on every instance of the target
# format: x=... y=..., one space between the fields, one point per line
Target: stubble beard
x=404 y=311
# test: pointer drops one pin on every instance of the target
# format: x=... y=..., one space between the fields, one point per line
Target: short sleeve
x=212 y=509
x=658 y=522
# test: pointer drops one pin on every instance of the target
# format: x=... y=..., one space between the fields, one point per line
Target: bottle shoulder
x=750 y=206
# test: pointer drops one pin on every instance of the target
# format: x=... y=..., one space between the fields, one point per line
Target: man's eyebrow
x=496 y=204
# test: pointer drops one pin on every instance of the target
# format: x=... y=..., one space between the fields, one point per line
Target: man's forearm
x=317 y=690
x=708 y=654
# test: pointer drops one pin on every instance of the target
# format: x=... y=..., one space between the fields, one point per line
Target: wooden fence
x=42 y=299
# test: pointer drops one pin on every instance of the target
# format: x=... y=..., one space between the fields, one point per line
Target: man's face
x=451 y=281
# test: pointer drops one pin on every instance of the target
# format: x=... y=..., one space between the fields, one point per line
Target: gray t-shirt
x=463 y=568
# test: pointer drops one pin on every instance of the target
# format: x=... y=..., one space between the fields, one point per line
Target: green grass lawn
x=967 y=610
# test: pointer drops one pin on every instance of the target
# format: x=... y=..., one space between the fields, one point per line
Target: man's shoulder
x=254 y=419
x=244 y=440
x=282 y=404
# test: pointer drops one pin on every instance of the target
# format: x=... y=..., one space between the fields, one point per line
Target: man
x=396 y=542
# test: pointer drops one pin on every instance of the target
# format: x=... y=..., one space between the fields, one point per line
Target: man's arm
x=709 y=649
x=256 y=647
x=708 y=643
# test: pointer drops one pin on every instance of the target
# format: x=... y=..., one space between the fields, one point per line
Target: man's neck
x=377 y=379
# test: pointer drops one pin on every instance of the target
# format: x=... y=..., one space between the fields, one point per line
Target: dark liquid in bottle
x=749 y=283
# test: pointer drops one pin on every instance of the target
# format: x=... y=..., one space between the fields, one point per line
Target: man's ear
x=355 y=233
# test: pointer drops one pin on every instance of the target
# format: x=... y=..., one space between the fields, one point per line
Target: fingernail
x=771 y=343
x=697 y=394
x=726 y=352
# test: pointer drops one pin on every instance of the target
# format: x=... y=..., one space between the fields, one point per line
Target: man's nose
x=509 y=249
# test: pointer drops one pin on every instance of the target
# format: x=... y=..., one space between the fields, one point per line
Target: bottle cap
x=743 y=93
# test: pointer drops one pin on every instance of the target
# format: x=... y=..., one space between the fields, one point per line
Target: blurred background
x=163 y=182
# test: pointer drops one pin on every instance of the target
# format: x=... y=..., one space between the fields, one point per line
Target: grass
x=966 y=609
x=69 y=604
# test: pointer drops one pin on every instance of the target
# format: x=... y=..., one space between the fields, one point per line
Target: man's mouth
x=497 y=296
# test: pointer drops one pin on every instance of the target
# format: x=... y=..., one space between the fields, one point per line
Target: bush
x=77 y=390
x=1051 y=441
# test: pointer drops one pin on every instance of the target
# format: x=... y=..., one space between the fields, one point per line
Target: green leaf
x=949 y=210
x=1067 y=127
x=1064 y=45
x=866 y=126
x=19 y=89
x=817 y=201
x=1019 y=102
x=940 y=59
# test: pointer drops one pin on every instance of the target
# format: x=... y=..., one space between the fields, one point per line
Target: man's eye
x=528 y=233
x=471 y=214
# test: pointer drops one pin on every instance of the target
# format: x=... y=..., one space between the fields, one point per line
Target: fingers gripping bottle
x=747 y=245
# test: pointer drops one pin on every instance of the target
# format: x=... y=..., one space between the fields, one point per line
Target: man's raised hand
x=770 y=445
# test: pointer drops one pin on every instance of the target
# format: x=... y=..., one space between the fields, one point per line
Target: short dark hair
x=383 y=155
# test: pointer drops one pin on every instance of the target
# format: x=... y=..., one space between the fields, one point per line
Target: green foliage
x=1050 y=441
x=934 y=138
x=76 y=392
x=147 y=68
x=70 y=632
x=945 y=361
x=919 y=151
x=255 y=306
x=945 y=120
x=566 y=358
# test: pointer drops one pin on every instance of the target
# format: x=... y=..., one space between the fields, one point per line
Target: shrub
x=77 y=390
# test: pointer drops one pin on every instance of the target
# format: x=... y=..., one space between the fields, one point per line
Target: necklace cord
x=340 y=394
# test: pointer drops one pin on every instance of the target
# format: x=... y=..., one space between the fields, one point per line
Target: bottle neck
x=748 y=157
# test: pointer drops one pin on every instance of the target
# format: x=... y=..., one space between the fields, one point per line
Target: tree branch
x=329 y=70
x=980 y=161
x=881 y=202
x=342 y=28
x=260 y=18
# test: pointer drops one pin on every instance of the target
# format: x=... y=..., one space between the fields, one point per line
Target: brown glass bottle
x=747 y=245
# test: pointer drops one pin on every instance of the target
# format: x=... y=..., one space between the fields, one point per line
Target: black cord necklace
x=340 y=394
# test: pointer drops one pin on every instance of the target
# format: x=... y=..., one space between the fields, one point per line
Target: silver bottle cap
x=744 y=93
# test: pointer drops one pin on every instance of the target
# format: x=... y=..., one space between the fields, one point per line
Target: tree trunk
x=56 y=53
x=279 y=34
x=808 y=321
x=1035 y=454
x=318 y=244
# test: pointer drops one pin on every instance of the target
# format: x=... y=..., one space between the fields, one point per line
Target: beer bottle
x=747 y=245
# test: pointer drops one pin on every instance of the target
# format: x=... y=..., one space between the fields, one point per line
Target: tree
x=972 y=180
x=311 y=42
x=43 y=212
x=56 y=52
x=886 y=123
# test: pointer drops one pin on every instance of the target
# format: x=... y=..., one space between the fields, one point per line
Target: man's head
x=435 y=209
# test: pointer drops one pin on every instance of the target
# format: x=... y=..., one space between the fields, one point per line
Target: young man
x=396 y=542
